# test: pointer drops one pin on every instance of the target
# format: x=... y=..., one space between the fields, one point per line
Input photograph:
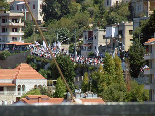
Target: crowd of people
x=44 y=52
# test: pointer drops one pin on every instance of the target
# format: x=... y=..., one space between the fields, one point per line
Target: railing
x=12 y=92
x=68 y=109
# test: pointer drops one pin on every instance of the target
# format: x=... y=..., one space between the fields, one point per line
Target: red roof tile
x=23 y=71
x=6 y=84
x=150 y=40
x=18 y=43
x=31 y=99
x=92 y=100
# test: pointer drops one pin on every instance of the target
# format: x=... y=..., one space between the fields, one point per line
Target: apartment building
x=19 y=6
x=92 y=39
x=10 y=28
x=141 y=10
x=150 y=69
x=109 y=3
x=120 y=35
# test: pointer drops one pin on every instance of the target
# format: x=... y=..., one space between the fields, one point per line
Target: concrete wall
x=12 y=61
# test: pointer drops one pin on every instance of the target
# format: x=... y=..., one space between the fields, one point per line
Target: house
x=43 y=99
x=19 y=6
x=150 y=69
x=92 y=40
x=141 y=10
x=120 y=35
x=10 y=28
x=109 y=3
x=16 y=82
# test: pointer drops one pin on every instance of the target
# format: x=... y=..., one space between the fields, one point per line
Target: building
x=10 y=28
x=19 y=6
x=42 y=99
x=92 y=40
x=150 y=69
x=120 y=35
x=16 y=82
x=109 y=3
x=141 y=10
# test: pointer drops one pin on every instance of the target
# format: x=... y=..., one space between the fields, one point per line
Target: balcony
x=12 y=92
x=149 y=71
x=12 y=33
x=148 y=56
x=149 y=86
x=12 y=24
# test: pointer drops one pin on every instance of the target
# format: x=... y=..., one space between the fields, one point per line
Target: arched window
x=107 y=2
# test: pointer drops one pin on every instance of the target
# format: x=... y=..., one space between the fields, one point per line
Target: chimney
x=39 y=99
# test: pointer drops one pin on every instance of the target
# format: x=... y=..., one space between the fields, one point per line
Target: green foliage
x=55 y=9
x=45 y=73
x=4 y=6
x=137 y=92
x=60 y=89
x=85 y=83
x=32 y=92
x=4 y=54
x=67 y=68
x=136 y=58
x=28 y=28
x=91 y=54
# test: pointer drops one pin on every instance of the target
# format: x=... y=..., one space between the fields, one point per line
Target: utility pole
x=75 y=45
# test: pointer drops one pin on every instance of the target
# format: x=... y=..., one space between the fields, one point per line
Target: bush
x=4 y=54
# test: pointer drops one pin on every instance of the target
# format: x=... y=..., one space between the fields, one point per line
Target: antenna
x=72 y=97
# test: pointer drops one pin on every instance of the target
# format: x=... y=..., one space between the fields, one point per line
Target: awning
x=18 y=43
x=6 y=84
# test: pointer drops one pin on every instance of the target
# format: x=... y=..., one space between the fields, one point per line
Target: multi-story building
x=141 y=10
x=35 y=6
x=120 y=35
x=92 y=40
x=10 y=28
x=109 y=3
x=150 y=69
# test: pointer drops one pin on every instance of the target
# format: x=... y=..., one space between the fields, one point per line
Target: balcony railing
x=12 y=33
x=149 y=71
x=12 y=92
x=12 y=24
x=148 y=56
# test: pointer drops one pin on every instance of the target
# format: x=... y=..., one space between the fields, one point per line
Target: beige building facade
x=10 y=28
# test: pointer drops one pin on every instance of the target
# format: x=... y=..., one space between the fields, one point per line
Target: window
x=131 y=39
x=3 y=30
x=3 y=20
x=107 y=2
x=130 y=32
x=14 y=29
x=14 y=38
x=40 y=6
x=17 y=7
x=95 y=37
x=85 y=37
x=33 y=6
x=95 y=47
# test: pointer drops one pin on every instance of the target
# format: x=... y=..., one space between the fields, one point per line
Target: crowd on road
x=44 y=52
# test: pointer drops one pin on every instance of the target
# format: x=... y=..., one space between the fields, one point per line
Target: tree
x=67 y=68
x=85 y=83
x=60 y=89
x=4 y=6
x=32 y=92
x=55 y=9
x=28 y=29
x=136 y=58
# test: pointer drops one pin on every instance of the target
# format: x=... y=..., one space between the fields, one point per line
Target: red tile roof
x=92 y=100
x=150 y=40
x=23 y=71
x=6 y=84
x=18 y=43
x=31 y=99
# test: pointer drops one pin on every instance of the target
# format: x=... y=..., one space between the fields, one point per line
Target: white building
x=10 y=28
x=150 y=69
x=16 y=82
x=109 y=3
x=92 y=40
x=120 y=35
x=35 y=6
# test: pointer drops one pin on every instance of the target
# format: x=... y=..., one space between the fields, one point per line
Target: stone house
x=16 y=82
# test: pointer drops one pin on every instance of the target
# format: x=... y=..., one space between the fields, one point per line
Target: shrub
x=4 y=54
